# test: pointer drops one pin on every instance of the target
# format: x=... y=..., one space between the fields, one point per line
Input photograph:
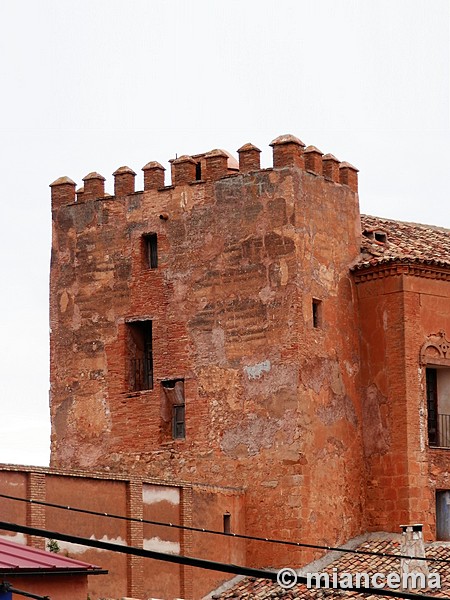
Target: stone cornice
x=400 y=267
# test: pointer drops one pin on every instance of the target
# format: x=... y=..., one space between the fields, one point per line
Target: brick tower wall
x=251 y=304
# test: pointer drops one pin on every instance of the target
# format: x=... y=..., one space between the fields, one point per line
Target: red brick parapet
x=63 y=192
x=124 y=181
x=249 y=158
x=94 y=186
x=288 y=152
x=153 y=175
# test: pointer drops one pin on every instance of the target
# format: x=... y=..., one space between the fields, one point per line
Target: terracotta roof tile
x=264 y=589
x=385 y=240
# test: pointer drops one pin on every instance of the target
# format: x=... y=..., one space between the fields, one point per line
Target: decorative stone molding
x=436 y=349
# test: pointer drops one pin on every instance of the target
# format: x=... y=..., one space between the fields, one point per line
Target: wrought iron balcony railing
x=441 y=437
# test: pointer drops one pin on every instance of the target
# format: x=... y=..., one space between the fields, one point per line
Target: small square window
x=151 y=250
x=227 y=523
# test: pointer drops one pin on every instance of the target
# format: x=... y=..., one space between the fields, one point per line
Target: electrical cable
x=201 y=562
x=233 y=535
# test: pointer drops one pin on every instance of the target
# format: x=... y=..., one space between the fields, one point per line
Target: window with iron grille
x=140 y=355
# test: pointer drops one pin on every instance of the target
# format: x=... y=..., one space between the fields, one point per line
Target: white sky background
x=93 y=85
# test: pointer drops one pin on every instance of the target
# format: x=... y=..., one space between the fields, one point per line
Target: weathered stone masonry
x=239 y=328
x=271 y=395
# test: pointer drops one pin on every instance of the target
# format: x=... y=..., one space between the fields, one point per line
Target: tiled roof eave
x=383 y=260
x=407 y=265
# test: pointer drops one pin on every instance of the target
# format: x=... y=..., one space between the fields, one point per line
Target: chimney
x=412 y=545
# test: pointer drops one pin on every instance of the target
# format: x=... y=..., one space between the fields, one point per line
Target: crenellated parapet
x=288 y=152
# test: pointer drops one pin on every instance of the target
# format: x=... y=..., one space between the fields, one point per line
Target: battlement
x=288 y=152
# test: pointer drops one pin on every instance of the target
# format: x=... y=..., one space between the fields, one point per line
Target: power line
x=233 y=535
x=200 y=562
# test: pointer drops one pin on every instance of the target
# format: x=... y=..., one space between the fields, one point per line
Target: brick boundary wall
x=34 y=487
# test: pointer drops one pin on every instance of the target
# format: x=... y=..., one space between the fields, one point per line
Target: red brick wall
x=211 y=504
x=151 y=500
x=56 y=587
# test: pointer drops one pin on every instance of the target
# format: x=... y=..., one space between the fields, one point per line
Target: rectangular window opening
x=438 y=406
x=227 y=523
x=198 y=171
x=175 y=406
x=443 y=515
x=140 y=354
x=317 y=313
x=151 y=250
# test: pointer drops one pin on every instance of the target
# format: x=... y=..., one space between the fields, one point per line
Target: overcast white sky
x=90 y=85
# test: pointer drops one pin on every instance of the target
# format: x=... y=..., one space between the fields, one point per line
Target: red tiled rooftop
x=264 y=589
x=408 y=242
x=16 y=557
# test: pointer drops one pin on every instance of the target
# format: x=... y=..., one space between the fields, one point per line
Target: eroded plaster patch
x=158 y=545
x=18 y=538
x=71 y=548
x=154 y=494
x=258 y=370
x=376 y=434
x=251 y=436
x=64 y=301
